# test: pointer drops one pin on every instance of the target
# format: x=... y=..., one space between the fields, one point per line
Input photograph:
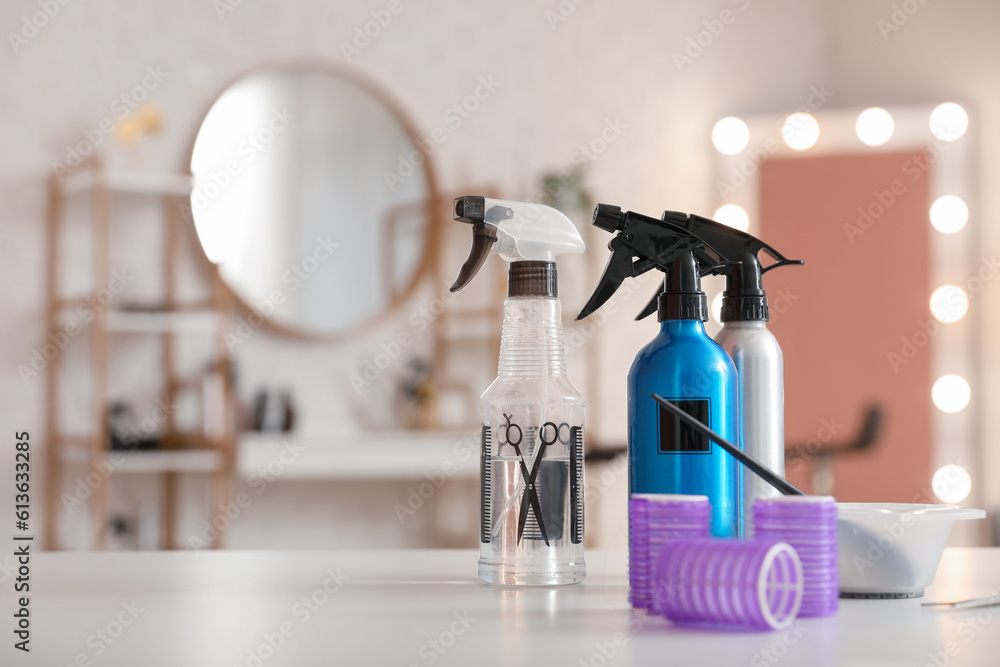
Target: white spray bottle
x=531 y=524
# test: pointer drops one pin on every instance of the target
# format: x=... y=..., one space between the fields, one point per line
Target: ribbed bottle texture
x=531 y=342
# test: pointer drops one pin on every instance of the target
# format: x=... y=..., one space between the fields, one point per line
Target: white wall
x=558 y=87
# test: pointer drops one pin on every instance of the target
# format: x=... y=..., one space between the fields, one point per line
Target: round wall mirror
x=312 y=197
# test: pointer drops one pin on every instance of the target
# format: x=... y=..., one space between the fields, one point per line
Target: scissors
x=532 y=497
x=531 y=493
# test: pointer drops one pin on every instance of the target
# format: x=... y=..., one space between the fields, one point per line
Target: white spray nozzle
x=517 y=231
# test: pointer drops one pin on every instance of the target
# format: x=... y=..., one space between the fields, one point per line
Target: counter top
x=270 y=608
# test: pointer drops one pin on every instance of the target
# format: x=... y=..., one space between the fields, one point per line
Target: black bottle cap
x=682 y=298
x=532 y=278
x=744 y=299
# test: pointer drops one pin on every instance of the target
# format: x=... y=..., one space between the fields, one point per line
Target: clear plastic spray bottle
x=531 y=524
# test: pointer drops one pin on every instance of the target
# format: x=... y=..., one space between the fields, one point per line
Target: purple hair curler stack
x=653 y=519
x=809 y=524
x=728 y=583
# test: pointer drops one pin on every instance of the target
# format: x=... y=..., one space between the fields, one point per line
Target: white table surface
x=212 y=608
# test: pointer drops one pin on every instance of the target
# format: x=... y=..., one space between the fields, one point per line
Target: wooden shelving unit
x=210 y=453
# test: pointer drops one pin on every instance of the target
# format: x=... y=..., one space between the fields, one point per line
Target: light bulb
x=949 y=303
x=874 y=126
x=730 y=135
x=733 y=216
x=951 y=393
x=949 y=214
x=951 y=483
x=800 y=131
x=949 y=121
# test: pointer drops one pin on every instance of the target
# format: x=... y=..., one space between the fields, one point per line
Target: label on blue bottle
x=679 y=438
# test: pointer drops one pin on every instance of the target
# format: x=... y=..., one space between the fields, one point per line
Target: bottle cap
x=530 y=278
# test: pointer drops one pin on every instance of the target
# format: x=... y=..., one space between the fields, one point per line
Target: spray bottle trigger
x=483 y=238
x=651 y=306
x=619 y=267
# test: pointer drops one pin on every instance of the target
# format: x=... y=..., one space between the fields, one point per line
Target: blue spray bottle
x=682 y=363
x=685 y=366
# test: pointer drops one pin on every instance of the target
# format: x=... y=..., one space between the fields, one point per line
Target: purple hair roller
x=728 y=583
x=809 y=524
x=653 y=519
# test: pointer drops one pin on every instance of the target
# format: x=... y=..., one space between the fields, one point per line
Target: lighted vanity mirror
x=312 y=198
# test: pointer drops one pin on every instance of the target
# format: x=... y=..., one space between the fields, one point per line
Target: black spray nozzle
x=732 y=243
x=683 y=277
x=642 y=243
x=744 y=299
x=682 y=298
x=743 y=277
x=608 y=217
x=473 y=210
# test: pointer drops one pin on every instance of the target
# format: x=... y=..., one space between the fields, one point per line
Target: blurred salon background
x=226 y=244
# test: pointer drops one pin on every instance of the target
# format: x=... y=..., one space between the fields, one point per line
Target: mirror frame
x=429 y=262
x=954 y=436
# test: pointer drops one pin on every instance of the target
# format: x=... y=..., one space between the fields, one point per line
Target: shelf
x=131 y=182
x=399 y=455
x=152 y=322
x=172 y=460
x=167 y=322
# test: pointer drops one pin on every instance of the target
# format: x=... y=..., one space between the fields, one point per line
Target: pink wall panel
x=865 y=288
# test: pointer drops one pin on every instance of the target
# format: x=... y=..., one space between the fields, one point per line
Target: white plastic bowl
x=892 y=550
